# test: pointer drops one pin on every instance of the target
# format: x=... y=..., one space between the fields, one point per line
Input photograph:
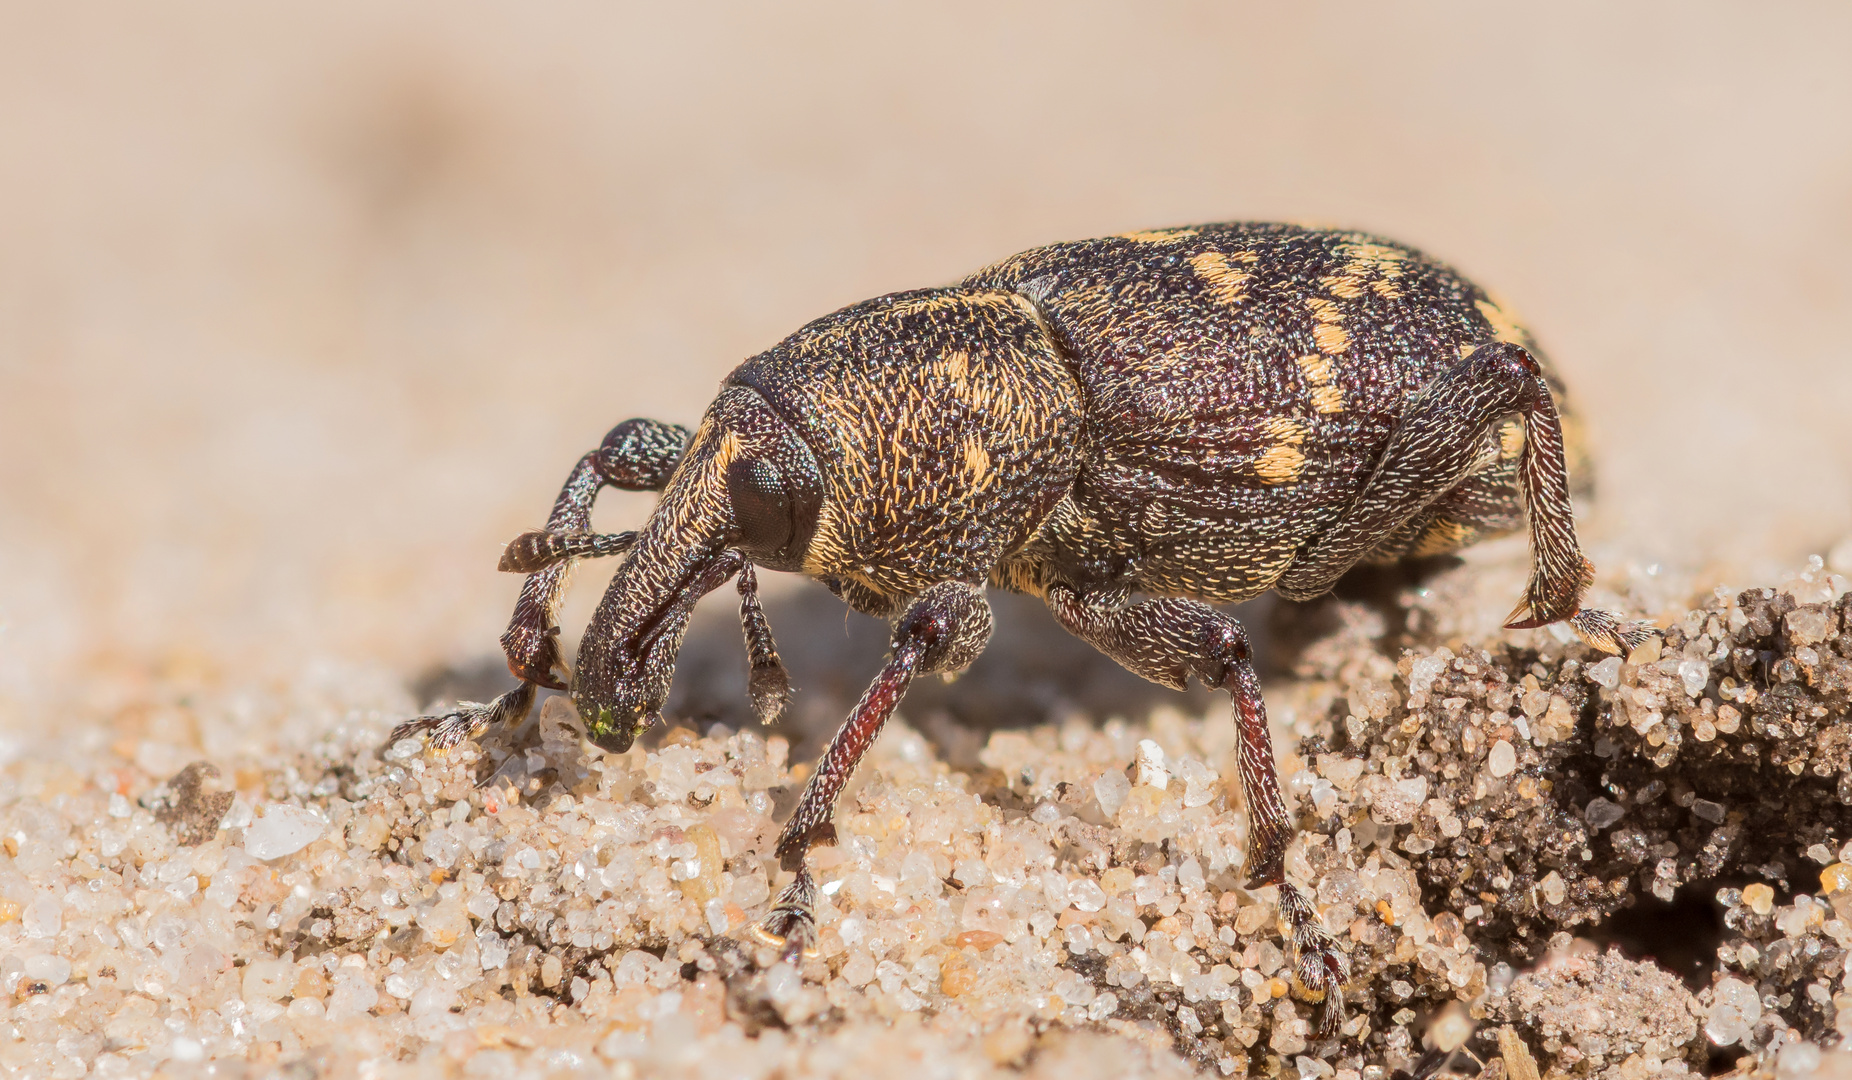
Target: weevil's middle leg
x=637 y=455
x=944 y=629
x=1168 y=641
x=767 y=684
x=1436 y=446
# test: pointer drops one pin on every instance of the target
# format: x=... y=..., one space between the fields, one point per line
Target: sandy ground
x=305 y=310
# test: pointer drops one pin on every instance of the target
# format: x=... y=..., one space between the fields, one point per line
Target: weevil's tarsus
x=1610 y=632
x=468 y=719
x=791 y=925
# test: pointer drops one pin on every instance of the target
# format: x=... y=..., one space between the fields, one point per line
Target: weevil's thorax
x=944 y=426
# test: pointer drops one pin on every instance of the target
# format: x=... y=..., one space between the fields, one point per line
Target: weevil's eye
x=762 y=506
x=772 y=480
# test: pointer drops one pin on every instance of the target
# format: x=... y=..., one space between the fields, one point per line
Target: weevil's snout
x=615 y=726
x=747 y=486
x=615 y=719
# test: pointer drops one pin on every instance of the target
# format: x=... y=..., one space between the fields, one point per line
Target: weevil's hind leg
x=1441 y=440
x=768 y=684
x=1559 y=573
x=1168 y=641
x=944 y=630
x=637 y=455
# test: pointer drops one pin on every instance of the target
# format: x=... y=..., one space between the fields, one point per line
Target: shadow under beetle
x=1130 y=428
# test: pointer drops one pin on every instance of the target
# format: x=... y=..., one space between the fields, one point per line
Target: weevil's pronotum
x=1130 y=428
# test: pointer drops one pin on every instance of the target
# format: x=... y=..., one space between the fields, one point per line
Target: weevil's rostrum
x=1131 y=428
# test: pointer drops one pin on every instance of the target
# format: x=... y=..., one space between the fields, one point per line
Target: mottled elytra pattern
x=1243 y=382
x=1131 y=428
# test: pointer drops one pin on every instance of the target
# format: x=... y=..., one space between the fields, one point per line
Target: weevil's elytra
x=1130 y=428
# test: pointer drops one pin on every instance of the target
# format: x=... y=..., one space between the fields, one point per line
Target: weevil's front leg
x=1437 y=444
x=944 y=629
x=637 y=455
x=1168 y=641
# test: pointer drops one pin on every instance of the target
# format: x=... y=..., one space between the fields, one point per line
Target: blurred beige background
x=305 y=308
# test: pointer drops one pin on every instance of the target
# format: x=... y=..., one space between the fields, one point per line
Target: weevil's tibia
x=1169 y=640
x=1559 y=572
x=768 y=684
x=944 y=629
x=531 y=641
x=532 y=552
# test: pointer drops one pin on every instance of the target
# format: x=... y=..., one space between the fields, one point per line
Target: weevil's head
x=905 y=441
x=747 y=486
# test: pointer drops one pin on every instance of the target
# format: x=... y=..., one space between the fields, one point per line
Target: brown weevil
x=1132 y=429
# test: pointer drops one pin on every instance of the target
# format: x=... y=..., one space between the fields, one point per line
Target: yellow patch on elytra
x=1328 y=399
x=1317 y=369
x=1380 y=256
x=1504 y=325
x=977 y=461
x=1227 y=284
x=1369 y=261
x=1325 y=310
x=1284 y=429
x=951 y=300
x=1280 y=464
x=1510 y=440
x=1158 y=236
x=1331 y=338
x=953 y=367
x=1343 y=286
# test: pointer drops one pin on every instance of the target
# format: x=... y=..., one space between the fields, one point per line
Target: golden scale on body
x=1132 y=429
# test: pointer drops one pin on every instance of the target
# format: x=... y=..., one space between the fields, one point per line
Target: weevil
x=1132 y=429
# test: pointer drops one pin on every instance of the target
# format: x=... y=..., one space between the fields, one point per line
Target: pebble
x=1151 y=771
x=1759 y=897
x=1502 y=760
x=1734 y=1010
x=1602 y=813
x=283 y=830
